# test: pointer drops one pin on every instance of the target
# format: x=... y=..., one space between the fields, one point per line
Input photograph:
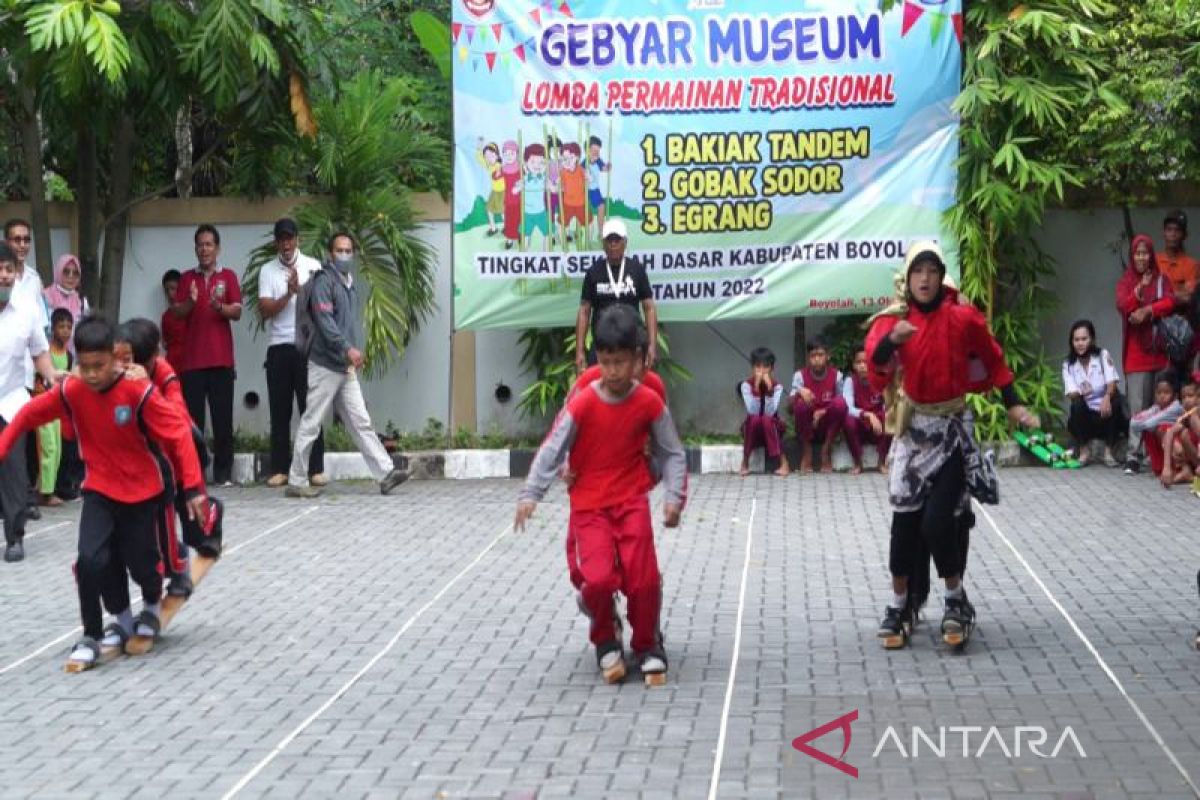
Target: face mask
x=5 y=294
x=344 y=263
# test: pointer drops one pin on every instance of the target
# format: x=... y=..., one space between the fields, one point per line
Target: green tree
x=109 y=79
x=1028 y=73
x=370 y=149
x=1143 y=127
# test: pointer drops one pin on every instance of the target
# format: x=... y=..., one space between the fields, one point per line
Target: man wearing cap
x=931 y=339
x=1181 y=269
x=279 y=283
x=615 y=278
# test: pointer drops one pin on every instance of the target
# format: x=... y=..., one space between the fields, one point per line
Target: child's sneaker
x=611 y=659
x=653 y=664
x=958 y=621
x=895 y=629
x=1132 y=467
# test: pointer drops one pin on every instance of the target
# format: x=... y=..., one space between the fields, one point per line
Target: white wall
x=418 y=387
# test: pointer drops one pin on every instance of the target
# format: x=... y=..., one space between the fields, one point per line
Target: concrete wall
x=418 y=387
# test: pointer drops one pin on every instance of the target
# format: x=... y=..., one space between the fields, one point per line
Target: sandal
x=140 y=644
x=83 y=665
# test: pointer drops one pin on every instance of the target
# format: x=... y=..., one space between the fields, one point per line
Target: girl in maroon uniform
x=936 y=464
x=865 y=415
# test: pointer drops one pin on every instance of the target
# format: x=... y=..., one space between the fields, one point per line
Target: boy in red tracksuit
x=117 y=424
x=603 y=431
x=137 y=347
x=818 y=406
x=586 y=378
x=865 y=415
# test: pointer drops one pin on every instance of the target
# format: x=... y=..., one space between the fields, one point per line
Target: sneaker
x=610 y=657
x=894 y=631
x=392 y=480
x=958 y=621
x=277 y=480
x=1132 y=467
x=319 y=479
x=308 y=492
x=33 y=512
x=14 y=552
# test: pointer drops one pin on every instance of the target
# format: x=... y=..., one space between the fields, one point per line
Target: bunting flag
x=491 y=60
x=913 y=12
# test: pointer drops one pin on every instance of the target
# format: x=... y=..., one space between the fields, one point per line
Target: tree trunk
x=116 y=229
x=87 y=212
x=31 y=149
x=183 y=150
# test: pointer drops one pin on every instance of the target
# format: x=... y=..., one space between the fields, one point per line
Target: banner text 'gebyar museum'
x=769 y=159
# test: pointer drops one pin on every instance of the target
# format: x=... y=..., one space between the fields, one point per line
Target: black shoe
x=895 y=629
x=958 y=621
x=392 y=480
x=14 y=552
x=180 y=585
x=33 y=513
x=1132 y=466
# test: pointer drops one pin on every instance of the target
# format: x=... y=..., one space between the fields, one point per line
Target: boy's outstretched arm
x=46 y=407
x=546 y=464
x=669 y=453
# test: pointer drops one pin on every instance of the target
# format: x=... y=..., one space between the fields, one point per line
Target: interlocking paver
x=492 y=692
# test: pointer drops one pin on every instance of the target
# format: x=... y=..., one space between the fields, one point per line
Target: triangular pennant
x=957 y=20
x=935 y=26
x=496 y=32
x=519 y=52
x=547 y=4
x=912 y=13
x=470 y=34
x=504 y=59
x=483 y=35
x=491 y=60
x=536 y=16
x=462 y=53
x=565 y=10
x=455 y=30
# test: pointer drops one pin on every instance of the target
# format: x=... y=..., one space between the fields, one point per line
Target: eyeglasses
x=20 y=239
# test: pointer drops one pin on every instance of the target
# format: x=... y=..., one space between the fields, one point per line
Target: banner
x=766 y=162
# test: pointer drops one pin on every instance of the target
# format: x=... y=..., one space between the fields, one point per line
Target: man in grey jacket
x=336 y=304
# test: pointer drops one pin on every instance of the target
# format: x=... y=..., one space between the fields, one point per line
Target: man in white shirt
x=279 y=283
x=24 y=338
x=18 y=235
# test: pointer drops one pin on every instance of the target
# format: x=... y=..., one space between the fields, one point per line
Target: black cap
x=1178 y=217
x=286 y=228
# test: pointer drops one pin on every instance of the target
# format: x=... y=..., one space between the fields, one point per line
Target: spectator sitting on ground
x=1150 y=424
x=762 y=394
x=1092 y=387
x=1180 y=457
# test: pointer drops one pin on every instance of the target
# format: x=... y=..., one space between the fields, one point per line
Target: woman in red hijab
x=1143 y=295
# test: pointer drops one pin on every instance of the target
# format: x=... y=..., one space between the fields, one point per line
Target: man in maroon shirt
x=209 y=299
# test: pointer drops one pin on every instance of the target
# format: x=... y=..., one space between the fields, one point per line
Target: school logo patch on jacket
x=122 y=414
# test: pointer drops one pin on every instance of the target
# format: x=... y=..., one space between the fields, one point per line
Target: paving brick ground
x=489 y=689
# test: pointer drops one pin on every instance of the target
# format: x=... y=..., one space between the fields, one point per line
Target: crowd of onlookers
x=202 y=303
x=1151 y=418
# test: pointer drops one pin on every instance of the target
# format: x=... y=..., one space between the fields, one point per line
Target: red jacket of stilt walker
x=937 y=360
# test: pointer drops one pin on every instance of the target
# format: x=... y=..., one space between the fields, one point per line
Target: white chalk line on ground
x=1095 y=653
x=30 y=534
x=311 y=718
x=75 y=631
x=737 y=646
